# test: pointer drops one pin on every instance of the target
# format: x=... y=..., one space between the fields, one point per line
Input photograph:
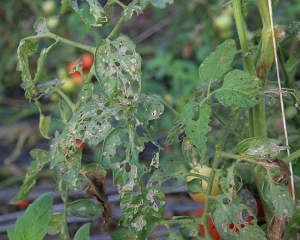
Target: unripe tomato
x=205 y=171
x=223 y=22
x=48 y=7
x=68 y=85
x=52 y=23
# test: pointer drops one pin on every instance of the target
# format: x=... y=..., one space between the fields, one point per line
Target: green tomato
x=204 y=171
x=52 y=23
x=68 y=85
x=223 y=22
x=48 y=7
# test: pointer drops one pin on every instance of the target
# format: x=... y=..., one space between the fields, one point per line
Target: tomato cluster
x=70 y=81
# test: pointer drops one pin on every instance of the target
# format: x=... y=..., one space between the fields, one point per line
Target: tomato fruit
x=68 y=85
x=88 y=62
x=205 y=171
x=52 y=23
x=24 y=205
x=80 y=145
x=212 y=229
x=48 y=7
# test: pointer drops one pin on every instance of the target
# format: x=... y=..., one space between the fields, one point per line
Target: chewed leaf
x=170 y=171
x=260 y=147
x=130 y=9
x=239 y=89
x=152 y=107
x=196 y=118
x=41 y=159
x=40 y=26
x=91 y=12
x=235 y=221
x=217 y=63
x=118 y=69
x=279 y=197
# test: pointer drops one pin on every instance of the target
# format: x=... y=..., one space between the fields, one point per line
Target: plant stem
x=64 y=230
x=237 y=157
x=292 y=157
x=63 y=40
x=116 y=28
x=68 y=101
x=169 y=107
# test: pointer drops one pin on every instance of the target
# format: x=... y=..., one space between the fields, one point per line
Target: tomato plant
x=113 y=113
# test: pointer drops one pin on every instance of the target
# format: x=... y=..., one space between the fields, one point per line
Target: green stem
x=283 y=68
x=68 y=101
x=116 y=28
x=292 y=157
x=64 y=230
x=238 y=157
x=63 y=40
x=169 y=107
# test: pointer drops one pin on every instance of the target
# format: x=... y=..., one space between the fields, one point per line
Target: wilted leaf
x=217 y=63
x=239 y=89
x=34 y=224
x=277 y=227
x=196 y=118
x=91 y=12
x=97 y=190
x=83 y=233
x=260 y=147
x=41 y=159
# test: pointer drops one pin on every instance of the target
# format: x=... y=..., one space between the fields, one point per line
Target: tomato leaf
x=217 y=63
x=44 y=125
x=118 y=69
x=57 y=220
x=195 y=186
x=278 y=197
x=161 y=3
x=84 y=208
x=238 y=89
x=190 y=152
x=83 y=232
x=41 y=159
x=34 y=224
x=196 y=118
x=231 y=221
x=122 y=233
x=91 y=12
x=230 y=180
x=260 y=147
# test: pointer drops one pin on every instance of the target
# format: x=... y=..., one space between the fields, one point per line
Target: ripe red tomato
x=88 y=62
x=212 y=229
x=24 y=205
x=80 y=145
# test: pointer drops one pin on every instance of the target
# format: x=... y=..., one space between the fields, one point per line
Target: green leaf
x=40 y=26
x=34 y=223
x=36 y=166
x=231 y=221
x=195 y=186
x=173 y=134
x=122 y=233
x=278 y=196
x=57 y=221
x=293 y=226
x=169 y=171
x=84 y=208
x=217 y=63
x=65 y=111
x=86 y=92
x=118 y=69
x=260 y=147
x=130 y=9
x=161 y=3
x=91 y=12
x=239 y=89
x=188 y=230
x=44 y=125
x=190 y=152
x=230 y=180
x=196 y=118
x=83 y=233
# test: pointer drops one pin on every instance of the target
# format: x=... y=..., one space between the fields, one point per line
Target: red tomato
x=88 y=62
x=70 y=68
x=80 y=145
x=24 y=205
x=212 y=229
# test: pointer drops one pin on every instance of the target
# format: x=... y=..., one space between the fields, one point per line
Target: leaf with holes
x=130 y=9
x=235 y=221
x=197 y=119
x=238 y=89
x=260 y=147
x=190 y=152
x=217 y=63
x=40 y=26
x=118 y=69
x=161 y=3
x=143 y=212
x=169 y=175
x=230 y=180
x=91 y=12
x=152 y=107
x=41 y=159
x=278 y=196
x=34 y=224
